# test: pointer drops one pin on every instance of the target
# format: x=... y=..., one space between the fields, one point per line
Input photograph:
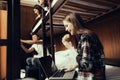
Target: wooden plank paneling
x=3 y=41
x=108 y=29
x=3 y=62
x=3 y=24
x=27 y=21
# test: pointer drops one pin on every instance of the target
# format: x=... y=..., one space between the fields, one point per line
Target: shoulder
x=89 y=34
x=33 y=45
x=59 y=52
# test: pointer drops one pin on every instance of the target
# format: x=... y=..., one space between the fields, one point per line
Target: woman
x=90 y=56
x=66 y=59
x=38 y=11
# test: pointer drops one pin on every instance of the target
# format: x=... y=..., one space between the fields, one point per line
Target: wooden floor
x=112 y=72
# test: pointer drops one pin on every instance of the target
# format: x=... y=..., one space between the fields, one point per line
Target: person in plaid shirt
x=90 y=56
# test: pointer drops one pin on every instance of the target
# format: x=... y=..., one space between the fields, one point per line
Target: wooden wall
x=3 y=35
x=3 y=24
x=106 y=27
x=108 y=30
x=3 y=62
x=27 y=21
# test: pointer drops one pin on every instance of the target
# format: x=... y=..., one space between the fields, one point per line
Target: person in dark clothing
x=38 y=11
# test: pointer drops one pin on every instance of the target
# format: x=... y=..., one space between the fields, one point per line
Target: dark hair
x=38 y=7
x=35 y=34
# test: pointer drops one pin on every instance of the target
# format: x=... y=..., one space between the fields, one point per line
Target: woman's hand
x=67 y=69
x=70 y=68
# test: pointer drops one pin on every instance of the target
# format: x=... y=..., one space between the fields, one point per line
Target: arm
x=84 y=56
x=31 y=41
x=85 y=48
x=27 y=50
x=84 y=61
x=71 y=68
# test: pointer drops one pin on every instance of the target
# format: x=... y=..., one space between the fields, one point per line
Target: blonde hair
x=75 y=19
x=66 y=37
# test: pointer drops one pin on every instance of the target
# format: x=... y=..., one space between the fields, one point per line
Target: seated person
x=90 y=56
x=37 y=46
x=66 y=59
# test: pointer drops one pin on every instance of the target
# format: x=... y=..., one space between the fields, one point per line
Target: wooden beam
x=58 y=16
x=90 y=4
x=80 y=9
x=3 y=42
x=13 y=37
x=64 y=13
x=85 y=7
x=87 y=13
x=102 y=2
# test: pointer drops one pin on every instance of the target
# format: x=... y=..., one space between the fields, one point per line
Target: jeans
x=34 y=69
x=33 y=62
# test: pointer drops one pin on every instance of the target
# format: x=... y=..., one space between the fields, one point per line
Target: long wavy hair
x=76 y=20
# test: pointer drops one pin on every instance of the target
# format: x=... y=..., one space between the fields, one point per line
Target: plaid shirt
x=90 y=52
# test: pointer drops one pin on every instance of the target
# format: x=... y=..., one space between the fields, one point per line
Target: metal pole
x=44 y=33
x=51 y=31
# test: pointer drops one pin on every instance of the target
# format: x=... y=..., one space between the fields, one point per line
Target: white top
x=39 y=49
x=66 y=58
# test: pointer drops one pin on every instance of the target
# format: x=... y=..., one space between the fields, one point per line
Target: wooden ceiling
x=88 y=9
